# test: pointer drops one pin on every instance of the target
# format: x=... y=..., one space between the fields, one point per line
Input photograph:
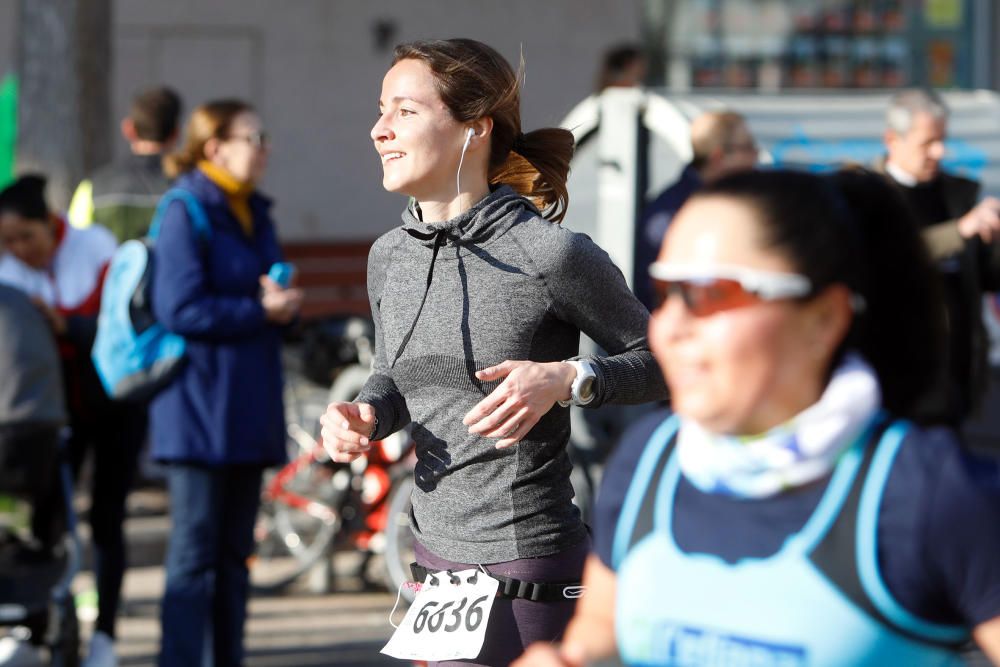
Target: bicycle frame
x=276 y=490
x=351 y=499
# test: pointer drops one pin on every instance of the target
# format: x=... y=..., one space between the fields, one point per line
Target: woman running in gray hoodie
x=479 y=299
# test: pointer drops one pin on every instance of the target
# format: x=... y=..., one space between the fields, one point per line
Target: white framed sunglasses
x=707 y=289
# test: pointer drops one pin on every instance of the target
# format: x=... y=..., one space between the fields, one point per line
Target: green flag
x=8 y=128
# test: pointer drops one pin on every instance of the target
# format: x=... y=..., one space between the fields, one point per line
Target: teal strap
x=867 y=546
x=651 y=454
x=836 y=493
x=195 y=212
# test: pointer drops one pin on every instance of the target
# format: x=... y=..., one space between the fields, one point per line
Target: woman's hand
x=540 y=654
x=528 y=391
x=280 y=305
x=346 y=429
x=987 y=635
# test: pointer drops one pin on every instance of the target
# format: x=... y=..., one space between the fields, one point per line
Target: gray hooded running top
x=498 y=282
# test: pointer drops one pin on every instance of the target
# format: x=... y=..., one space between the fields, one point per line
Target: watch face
x=583 y=387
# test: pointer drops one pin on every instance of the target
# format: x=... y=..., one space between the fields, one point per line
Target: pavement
x=294 y=629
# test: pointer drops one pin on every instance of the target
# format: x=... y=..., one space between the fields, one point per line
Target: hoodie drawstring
x=438 y=241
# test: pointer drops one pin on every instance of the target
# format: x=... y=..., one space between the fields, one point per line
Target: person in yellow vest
x=122 y=195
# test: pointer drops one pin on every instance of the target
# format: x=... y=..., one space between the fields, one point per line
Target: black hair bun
x=26 y=197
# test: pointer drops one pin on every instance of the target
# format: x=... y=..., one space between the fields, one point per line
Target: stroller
x=37 y=614
x=38 y=620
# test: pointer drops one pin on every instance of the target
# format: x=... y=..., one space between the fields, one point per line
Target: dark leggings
x=114 y=441
x=516 y=623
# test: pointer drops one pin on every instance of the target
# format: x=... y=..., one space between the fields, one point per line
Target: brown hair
x=615 y=65
x=475 y=81
x=211 y=120
x=154 y=114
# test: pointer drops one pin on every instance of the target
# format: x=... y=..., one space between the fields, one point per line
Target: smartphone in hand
x=282 y=273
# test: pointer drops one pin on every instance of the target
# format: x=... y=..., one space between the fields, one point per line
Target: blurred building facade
x=787 y=45
x=314 y=69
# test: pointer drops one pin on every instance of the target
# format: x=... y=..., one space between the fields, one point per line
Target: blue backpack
x=135 y=356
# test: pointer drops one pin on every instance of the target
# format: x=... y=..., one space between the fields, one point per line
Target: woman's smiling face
x=416 y=136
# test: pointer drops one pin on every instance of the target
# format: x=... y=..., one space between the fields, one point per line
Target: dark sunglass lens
x=703 y=296
x=661 y=292
x=720 y=294
x=662 y=289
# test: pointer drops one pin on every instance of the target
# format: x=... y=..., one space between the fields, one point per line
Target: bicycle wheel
x=349 y=383
x=297 y=527
x=399 y=539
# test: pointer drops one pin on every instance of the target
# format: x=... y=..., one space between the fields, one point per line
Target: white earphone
x=458 y=176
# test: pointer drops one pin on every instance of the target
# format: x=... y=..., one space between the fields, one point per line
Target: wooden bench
x=333 y=275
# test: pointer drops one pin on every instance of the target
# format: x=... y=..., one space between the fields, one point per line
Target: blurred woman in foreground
x=788 y=514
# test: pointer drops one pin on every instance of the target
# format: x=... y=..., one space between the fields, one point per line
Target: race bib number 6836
x=448 y=618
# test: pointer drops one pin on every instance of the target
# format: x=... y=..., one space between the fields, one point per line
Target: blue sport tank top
x=820 y=601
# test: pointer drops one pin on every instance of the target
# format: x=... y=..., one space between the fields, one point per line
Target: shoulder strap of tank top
x=636 y=519
x=838 y=555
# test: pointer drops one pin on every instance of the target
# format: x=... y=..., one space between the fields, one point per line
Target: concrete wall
x=314 y=69
x=8 y=28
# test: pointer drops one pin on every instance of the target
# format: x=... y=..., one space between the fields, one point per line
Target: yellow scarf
x=237 y=193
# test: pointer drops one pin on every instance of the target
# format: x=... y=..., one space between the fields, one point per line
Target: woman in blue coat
x=221 y=422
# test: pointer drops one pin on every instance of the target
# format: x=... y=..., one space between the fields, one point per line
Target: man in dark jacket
x=721 y=144
x=960 y=235
x=122 y=195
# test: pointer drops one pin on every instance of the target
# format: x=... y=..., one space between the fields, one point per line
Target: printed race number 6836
x=432 y=619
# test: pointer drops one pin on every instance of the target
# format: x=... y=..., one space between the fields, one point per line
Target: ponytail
x=175 y=164
x=537 y=166
x=902 y=329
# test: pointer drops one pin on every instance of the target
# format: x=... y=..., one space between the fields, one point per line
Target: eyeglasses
x=711 y=289
x=255 y=139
